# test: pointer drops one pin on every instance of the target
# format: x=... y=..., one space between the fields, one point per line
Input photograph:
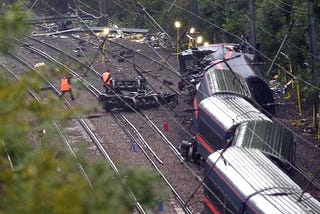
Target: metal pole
x=177 y=25
x=313 y=49
x=279 y=50
x=252 y=21
x=313 y=41
x=195 y=13
x=319 y=122
x=178 y=41
x=159 y=26
x=299 y=99
x=297 y=86
x=103 y=9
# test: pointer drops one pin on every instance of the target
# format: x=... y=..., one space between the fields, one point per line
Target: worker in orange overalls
x=106 y=78
x=65 y=86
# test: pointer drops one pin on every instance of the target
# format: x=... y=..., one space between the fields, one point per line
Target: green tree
x=45 y=179
x=272 y=26
x=12 y=23
x=225 y=20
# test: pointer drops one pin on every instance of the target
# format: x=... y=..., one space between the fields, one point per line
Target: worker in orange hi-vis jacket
x=65 y=86
x=106 y=78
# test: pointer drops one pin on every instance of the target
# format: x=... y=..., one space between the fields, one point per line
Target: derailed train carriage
x=232 y=110
x=243 y=64
x=195 y=62
x=226 y=115
x=242 y=180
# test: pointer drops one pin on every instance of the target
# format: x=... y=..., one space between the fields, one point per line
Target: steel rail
x=93 y=136
x=126 y=125
x=67 y=54
x=133 y=63
x=165 y=139
x=55 y=126
x=48 y=57
x=133 y=133
x=89 y=86
x=152 y=125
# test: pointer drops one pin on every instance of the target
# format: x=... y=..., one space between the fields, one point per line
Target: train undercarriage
x=134 y=95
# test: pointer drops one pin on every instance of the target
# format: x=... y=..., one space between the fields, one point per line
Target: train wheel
x=107 y=108
x=156 y=101
x=134 y=103
x=144 y=103
x=129 y=103
x=189 y=153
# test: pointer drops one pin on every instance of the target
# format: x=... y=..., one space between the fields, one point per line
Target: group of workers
x=65 y=84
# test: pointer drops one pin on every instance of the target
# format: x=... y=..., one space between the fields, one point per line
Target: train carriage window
x=210 y=135
x=219 y=200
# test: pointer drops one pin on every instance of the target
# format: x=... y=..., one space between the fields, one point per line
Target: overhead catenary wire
x=104 y=41
x=280 y=67
x=282 y=123
x=254 y=134
x=174 y=1
x=55 y=126
x=207 y=172
x=34 y=3
x=185 y=207
x=92 y=134
x=89 y=68
x=76 y=12
x=100 y=14
x=259 y=27
x=279 y=49
x=258 y=51
x=7 y=153
x=159 y=26
x=289 y=74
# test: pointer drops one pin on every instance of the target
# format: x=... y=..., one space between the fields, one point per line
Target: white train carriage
x=242 y=180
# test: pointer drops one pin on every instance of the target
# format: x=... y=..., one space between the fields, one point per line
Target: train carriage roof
x=269 y=137
x=225 y=81
x=243 y=64
x=230 y=110
x=256 y=184
x=238 y=61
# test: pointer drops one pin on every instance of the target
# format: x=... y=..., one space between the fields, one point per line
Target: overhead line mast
x=103 y=10
x=252 y=23
x=195 y=13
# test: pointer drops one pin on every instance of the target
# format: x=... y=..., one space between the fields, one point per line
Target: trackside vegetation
x=37 y=174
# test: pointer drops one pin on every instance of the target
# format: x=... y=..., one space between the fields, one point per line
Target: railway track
x=87 y=127
x=114 y=56
x=136 y=137
x=60 y=65
x=138 y=121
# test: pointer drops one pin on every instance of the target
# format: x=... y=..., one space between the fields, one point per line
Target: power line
x=238 y=37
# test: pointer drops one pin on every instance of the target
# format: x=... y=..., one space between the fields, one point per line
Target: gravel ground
x=115 y=139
